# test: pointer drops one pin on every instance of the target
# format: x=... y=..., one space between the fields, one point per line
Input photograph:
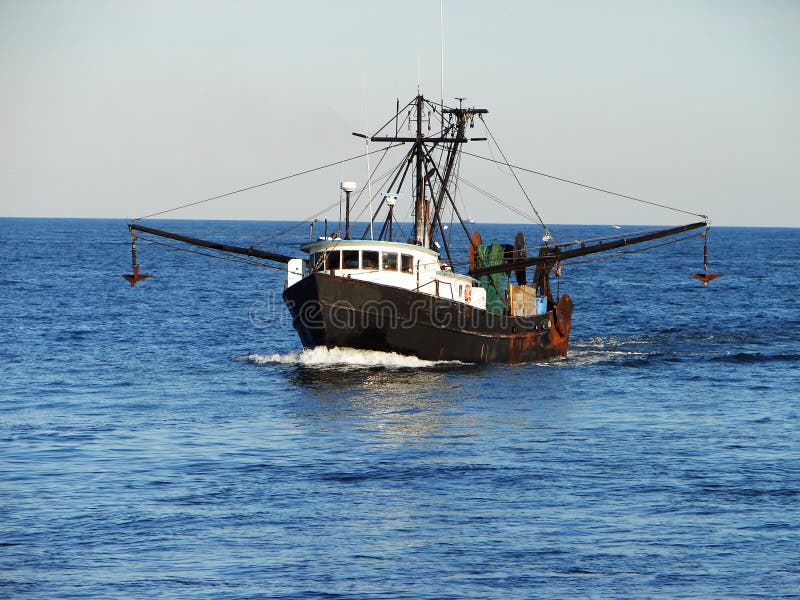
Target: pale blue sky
x=119 y=109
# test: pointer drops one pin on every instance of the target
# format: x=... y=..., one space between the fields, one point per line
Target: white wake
x=345 y=357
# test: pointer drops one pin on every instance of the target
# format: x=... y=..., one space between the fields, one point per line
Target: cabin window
x=460 y=291
x=407 y=263
x=349 y=259
x=334 y=260
x=369 y=260
x=390 y=261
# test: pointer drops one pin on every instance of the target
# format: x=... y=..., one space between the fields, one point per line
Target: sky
x=121 y=109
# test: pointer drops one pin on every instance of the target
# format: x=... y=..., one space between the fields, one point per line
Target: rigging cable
x=590 y=187
x=380 y=180
x=511 y=168
x=258 y=185
x=372 y=175
x=494 y=198
x=283 y=232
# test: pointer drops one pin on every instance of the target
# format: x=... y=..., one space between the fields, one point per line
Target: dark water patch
x=74 y=335
x=395 y=473
x=771 y=527
x=756 y=357
x=748 y=494
x=368 y=557
x=577 y=571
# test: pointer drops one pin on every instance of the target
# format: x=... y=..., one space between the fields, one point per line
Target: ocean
x=173 y=440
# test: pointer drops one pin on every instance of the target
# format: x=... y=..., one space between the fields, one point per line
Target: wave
x=640 y=349
x=620 y=350
x=346 y=357
x=756 y=357
x=586 y=357
x=713 y=337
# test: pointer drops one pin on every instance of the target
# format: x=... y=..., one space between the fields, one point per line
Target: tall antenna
x=441 y=36
x=369 y=174
x=419 y=52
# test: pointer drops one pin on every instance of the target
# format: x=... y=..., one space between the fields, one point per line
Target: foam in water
x=348 y=357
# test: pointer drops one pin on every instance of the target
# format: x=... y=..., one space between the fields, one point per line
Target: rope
x=378 y=181
x=589 y=187
x=494 y=198
x=258 y=185
x=294 y=225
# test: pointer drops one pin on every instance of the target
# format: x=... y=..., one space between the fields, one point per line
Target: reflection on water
x=397 y=397
x=396 y=405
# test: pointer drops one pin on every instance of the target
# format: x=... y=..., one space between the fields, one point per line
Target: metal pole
x=347 y=216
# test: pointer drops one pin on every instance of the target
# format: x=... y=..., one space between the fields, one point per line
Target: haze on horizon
x=126 y=108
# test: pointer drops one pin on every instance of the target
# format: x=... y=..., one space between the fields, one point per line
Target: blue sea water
x=173 y=441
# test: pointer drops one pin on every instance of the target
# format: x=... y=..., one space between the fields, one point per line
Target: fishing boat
x=409 y=294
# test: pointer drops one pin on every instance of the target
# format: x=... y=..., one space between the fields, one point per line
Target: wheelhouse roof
x=339 y=244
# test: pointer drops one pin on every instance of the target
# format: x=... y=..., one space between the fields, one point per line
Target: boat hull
x=336 y=311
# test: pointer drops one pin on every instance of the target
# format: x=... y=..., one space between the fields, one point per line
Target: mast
x=420 y=230
x=451 y=160
x=424 y=223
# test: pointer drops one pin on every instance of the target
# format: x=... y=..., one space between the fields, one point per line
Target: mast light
x=391 y=199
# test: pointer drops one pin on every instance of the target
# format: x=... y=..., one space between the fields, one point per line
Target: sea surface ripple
x=174 y=440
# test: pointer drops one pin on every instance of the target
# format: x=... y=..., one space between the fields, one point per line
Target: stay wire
x=519 y=183
x=499 y=201
x=379 y=180
x=589 y=187
x=258 y=185
x=283 y=232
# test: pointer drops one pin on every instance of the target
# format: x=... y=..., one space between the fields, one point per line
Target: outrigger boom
x=273 y=256
x=553 y=256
